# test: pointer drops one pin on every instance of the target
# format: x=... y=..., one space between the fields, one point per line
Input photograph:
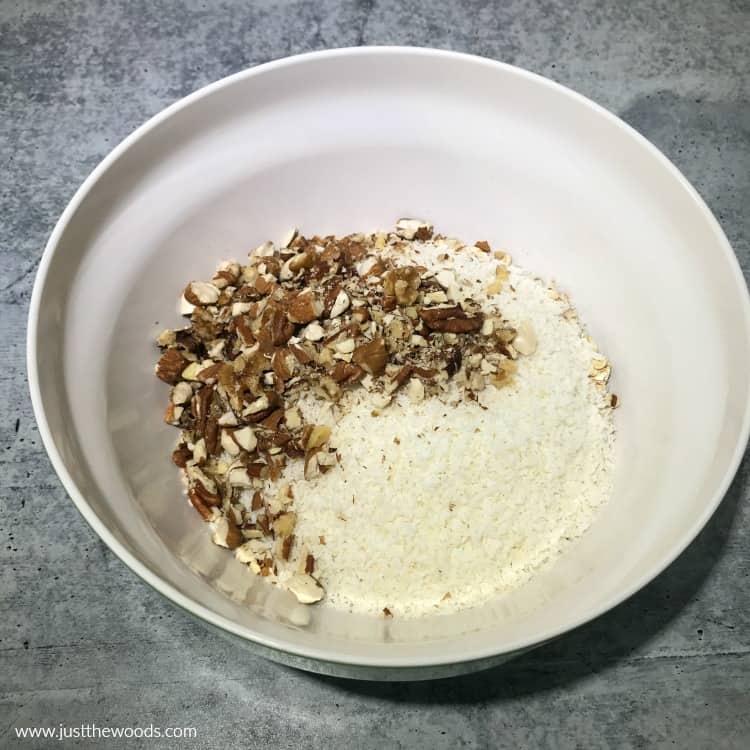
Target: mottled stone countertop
x=82 y=640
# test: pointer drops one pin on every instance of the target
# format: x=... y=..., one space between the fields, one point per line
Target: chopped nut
x=309 y=563
x=166 y=338
x=292 y=418
x=402 y=284
x=239 y=477
x=312 y=467
x=245 y=553
x=200 y=452
x=602 y=376
x=228 y=444
x=346 y=346
x=286 y=546
x=503 y=257
x=245 y=438
x=201 y=293
x=318 y=436
x=446 y=279
x=525 y=341
x=184 y=307
x=260 y=404
x=170 y=366
x=305 y=588
x=314 y=332
x=264 y=250
x=340 y=305
x=411 y=229
x=228 y=419
x=371 y=357
x=284 y=364
x=501 y=276
x=193 y=370
x=451 y=319
x=180 y=456
x=435 y=298
x=226 y=534
x=287 y=237
x=181 y=393
x=205 y=510
x=240 y=308
x=172 y=414
x=415 y=390
x=345 y=372
x=304 y=307
x=284 y=524
x=506 y=334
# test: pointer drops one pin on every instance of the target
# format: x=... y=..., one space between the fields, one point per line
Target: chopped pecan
x=243 y=330
x=271 y=422
x=346 y=372
x=273 y=439
x=301 y=354
x=198 y=491
x=257 y=502
x=454 y=362
x=227 y=533
x=371 y=357
x=403 y=375
x=199 y=505
x=314 y=436
x=205 y=327
x=450 y=319
x=402 y=284
x=210 y=374
x=284 y=524
x=201 y=293
x=181 y=455
x=265 y=285
x=256 y=470
x=286 y=546
x=275 y=328
x=212 y=436
x=329 y=297
x=304 y=307
x=185 y=340
x=170 y=366
x=200 y=405
x=283 y=364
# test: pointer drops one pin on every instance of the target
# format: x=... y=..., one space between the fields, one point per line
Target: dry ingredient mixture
x=397 y=421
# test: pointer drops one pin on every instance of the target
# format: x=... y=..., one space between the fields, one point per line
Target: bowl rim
x=276 y=644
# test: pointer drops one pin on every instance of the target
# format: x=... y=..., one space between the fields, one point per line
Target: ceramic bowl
x=350 y=140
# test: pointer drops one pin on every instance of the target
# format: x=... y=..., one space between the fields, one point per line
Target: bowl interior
x=350 y=141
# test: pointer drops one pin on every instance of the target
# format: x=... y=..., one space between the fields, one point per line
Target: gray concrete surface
x=82 y=640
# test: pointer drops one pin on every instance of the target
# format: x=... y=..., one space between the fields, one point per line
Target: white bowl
x=350 y=140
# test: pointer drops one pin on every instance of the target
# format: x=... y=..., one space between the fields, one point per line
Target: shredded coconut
x=438 y=507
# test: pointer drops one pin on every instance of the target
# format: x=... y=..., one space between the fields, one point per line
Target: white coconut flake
x=431 y=499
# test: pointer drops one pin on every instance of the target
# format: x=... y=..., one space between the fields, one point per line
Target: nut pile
x=314 y=316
